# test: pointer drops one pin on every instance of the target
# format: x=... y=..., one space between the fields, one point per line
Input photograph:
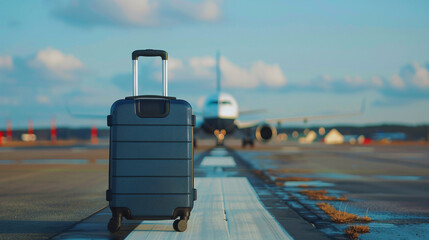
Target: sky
x=292 y=58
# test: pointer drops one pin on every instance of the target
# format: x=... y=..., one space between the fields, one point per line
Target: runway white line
x=216 y=161
x=218 y=152
x=401 y=155
x=6 y=149
x=79 y=149
x=291 y=149
x=362 y=149
x=227 y=208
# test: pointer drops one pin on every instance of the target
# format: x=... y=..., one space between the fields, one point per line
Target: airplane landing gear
x=219 y=143
x=220 y=136
x=249 y=142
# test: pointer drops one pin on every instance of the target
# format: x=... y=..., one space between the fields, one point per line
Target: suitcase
x=151 y=162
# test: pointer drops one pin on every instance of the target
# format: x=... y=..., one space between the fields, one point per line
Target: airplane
x=220 y=117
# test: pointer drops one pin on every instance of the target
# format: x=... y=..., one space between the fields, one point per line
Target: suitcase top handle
x=150 y=53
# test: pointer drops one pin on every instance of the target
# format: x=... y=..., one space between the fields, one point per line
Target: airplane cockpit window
x=213 y=102
x=225 y=102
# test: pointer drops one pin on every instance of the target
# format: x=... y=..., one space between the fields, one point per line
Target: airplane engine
x=264 y=133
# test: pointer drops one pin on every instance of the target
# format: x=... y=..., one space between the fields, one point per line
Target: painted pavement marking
x=215 y=161
x=227 y=208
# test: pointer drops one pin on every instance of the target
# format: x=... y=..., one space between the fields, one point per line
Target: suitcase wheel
x=114 y=225
x=180 y=225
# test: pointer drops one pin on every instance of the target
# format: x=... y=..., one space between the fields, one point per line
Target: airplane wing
x=248 y=112
x=305 y=119
x=79 y=115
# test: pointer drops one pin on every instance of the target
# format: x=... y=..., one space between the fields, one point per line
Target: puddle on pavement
x=381 y=225
x=377 y=216
x=336 y=176
x=339 y=176
x=315 y=183
x=295 y=205
x=102 y=161
x=254 y=159
x=399 y=178
x=397 y=231
x=6 y=162
x=384 y=225
x=55 y=161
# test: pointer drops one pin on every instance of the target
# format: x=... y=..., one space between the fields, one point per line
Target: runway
x=59 y=193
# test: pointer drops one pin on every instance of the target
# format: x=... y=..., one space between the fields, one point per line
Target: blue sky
x=291 y=57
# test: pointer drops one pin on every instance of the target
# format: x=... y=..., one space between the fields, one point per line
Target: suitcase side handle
x=150 y=53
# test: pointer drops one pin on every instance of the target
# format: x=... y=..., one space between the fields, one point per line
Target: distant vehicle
x=390 y=136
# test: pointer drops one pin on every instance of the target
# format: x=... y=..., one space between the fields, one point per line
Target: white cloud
x=259 y=73
x=203 y=66
x=376 y=81
x=137 y=13
x=412 y=76
x=397 y=81
x=6 y=62
x=207 y=10
x=201 y=101
x=8 y=101
x=56 y=63
x=175 y=66
x=142 y=12
x=122 y=12
x=203 y=69
x=233 y=75
x=327 y=77
x=271 y=75
x=356 y=81
x=43 y=99
x=421 y=76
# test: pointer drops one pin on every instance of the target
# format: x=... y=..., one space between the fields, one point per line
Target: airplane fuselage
x=219 y=113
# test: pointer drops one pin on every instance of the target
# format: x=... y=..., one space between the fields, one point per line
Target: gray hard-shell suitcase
x=151 y=173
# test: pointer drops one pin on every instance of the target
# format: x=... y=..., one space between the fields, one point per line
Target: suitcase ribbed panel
x=151 y=160
x=142 y=206
x=151 y=150
x=151 y=185
x=138 y=167
x=152 y=133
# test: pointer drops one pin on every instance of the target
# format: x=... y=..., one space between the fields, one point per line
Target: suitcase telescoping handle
x=150 y=53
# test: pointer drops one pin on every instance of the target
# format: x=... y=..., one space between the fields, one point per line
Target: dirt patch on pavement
x=320 y=195
x=339 y=216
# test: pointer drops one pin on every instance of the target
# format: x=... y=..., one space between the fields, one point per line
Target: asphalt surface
x=39 y=199
x=387 y=183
